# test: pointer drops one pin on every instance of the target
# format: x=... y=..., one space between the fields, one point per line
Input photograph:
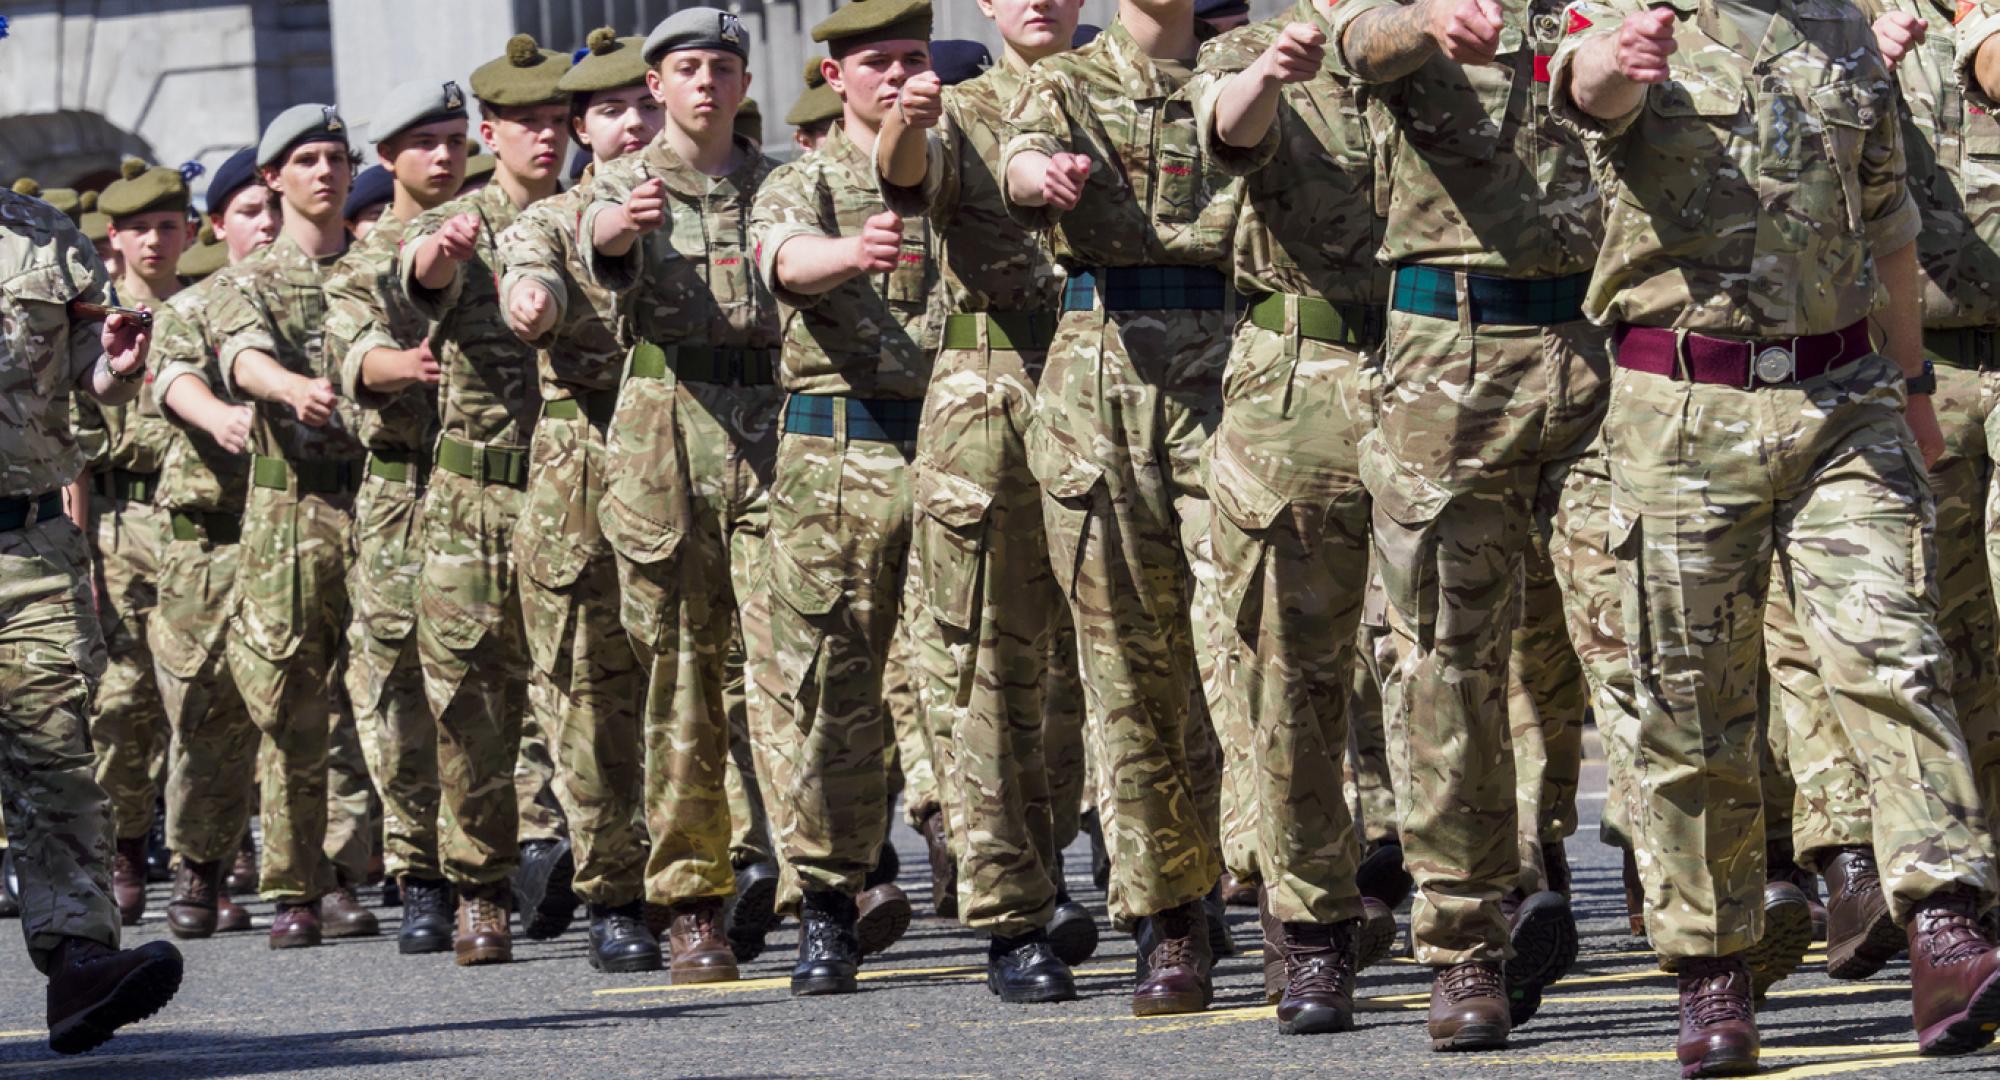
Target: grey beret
x=698 y=28
x=415 y=104
x=296 y=126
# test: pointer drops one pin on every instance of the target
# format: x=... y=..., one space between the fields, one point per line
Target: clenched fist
x=458 y=239
x=234 y=433
x=922 y=100
x=1897 y=33
x=531 y=311
x=1467 y=31
x=1297 y=54
x=1062 y=184
x=313 y=400
x=879 y=245
x=1645 y=41
x=646 y=207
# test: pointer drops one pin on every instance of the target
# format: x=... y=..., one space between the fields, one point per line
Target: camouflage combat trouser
x=986 y=606
x=128 y=724
x=839 y=550
x=1062 y=735
x=212 y=759
x=682 y=599
x=58 y=819
x=1546 y=699
x=571 y=599
x=1126 y=403
x=914 y=773
x=350 y=797
x=535 y=771
x=385 y=682
x=1831 y=806
x=1290 y=532
x=1368 y=786
x=1481 y=430
x=1709 y=483
x=476 y=672
x=749 y=829
x=285 y=645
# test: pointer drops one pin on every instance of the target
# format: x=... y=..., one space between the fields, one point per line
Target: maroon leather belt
x=1749 y=365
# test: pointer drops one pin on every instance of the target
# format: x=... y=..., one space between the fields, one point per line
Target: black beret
x=235 y=174
x=956 y=60
x=372 y=187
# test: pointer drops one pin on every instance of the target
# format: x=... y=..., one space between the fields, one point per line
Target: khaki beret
x=526 y=75
x=815 y=73
x=415 y=104
x=63 y=199
x=205 y=258
x=698 y=28
x=815 y=106
x=478 y=169
x=864 y=22
x=297 y=126
x=750 y=120
x=612 y=63
x=142 y=190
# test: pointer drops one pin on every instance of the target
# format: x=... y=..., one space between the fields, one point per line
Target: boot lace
x=1719 y=997
x=1950 y=935
x=1468 y=981
x=1318 y=959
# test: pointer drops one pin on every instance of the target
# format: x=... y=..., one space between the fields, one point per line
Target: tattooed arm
x=1386 y=44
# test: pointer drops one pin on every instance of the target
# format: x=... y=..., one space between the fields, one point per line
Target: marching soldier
x=1753 y=416
x=211 y=763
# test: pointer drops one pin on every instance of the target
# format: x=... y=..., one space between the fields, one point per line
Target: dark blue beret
x=957 y=61
x=232 y=176
x=373 y=186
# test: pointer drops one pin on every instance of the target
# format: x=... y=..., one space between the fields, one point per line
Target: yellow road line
x=956 y=973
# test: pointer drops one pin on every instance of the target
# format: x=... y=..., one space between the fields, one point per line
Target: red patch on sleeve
x=1176 y=170
x=732 y=261
x=911 y=260
x=1577 y=22
x=1965 y=8
x=1542 y=68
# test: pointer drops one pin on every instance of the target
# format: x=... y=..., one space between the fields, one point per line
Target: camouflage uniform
x=855 y=362
x=366 y=310
x=1777 y=164
x=288 y=630
x=988 y=602
x=1290 y=530
x=1131 y=392
x=1371 y=792
x=470 y=636
x=212 y=761
x=128 y=726
x=1493 y=386
x=58 y=819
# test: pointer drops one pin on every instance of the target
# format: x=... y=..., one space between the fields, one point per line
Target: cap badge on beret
x=454 y=98
x=731 y=29
x=333 y=120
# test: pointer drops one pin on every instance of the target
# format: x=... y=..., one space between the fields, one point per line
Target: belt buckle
x=1775 y=364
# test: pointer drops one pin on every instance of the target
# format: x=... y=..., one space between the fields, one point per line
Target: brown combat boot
x=128 y=880
x=1787 y=937
x=697 y=950
x=1319 y=978
x=94 y=990
x=229 y=917
x=1861 y=934
x=1718 y=1023
x=882 y=916
x=1954 y=975
x=192 y=913
x=1236 y=892
x=1375 y=941
x=944 y=868
x=1469 y=1008
x=242 y=879
x=295 y=926
x=483 y=936
x=342 y=916
x=1177 y=978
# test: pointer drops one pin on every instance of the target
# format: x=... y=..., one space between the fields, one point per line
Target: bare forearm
x=1986 y=66
x=385 y=371
x=434 y=271
x=1598 y=87
x=107 y=388
x=1247 y=107
x=612 y=234
x=259 y=375
x=1903 y=319
x=811 y=265
x=196 y=405
x=1024 y=178
x=901 y=154
x=1383 y=46
x=76 y=501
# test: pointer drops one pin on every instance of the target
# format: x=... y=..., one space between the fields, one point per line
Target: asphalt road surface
x=355 y=1007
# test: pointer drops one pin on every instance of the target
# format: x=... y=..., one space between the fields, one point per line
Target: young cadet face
x=151 y=244
x=249 y=222
x=364 y=223
x=528 y=140
x=1035 y=27
x=428 y=161
x=107 y=253
x=871 y=77
x=812 y=136
x=313 y=180
x=618 y=122
x=701 y=89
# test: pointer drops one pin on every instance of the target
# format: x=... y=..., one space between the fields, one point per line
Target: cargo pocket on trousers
x=1247 y=510
x=802 y=602
x=1067 y=481
x=267 y=579
x=1407 y=506
x=552 y=539
x=950 y=542
x=456 y=604
x=1626 y=543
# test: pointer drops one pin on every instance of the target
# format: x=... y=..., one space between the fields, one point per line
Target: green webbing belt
x=314 y=477
x=487 y=464
x=1354 y=325
x=1006 y=331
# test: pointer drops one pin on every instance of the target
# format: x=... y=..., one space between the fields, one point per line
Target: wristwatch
x=1925 y=383
x=134 y=375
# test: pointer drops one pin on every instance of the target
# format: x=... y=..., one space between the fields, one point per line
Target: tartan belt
x=216 y=528
x=1747 y=365
x=870 y=419
x=484 y=464
x=314 y=477
x=703 y=364
x=21 y=511
x=130 y=486
x=598 y=405
x=1147 y=288
x=1970 y=348
x=399 y=466
x=1006 y=331
x=1432 y=292
x=1357 y=326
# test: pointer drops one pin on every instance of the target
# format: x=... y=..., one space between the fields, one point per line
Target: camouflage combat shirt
x=277 y=305
x=868 y=337
x=197 y=476
x=1961 y=268
x=366 y=310
x=1481 y=176
x=582 y=352
x=1153 y=198
x=44 y=357
x=1748 y=193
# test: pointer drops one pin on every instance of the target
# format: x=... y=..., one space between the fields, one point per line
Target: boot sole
x=1375 y=943
x=1317 y=1022
x=143 y=991
x=629 y=965
x=1074 y=941
x=1968 y=1030
x=1787 y=938
x=1170 y=1005
x=746 y=934
x=1472 y=1037
x=482 y=957
x=296 y=941
x=1867 y=952
x=408 y=947
x=1720 y=1066
x=1044 y=995
x=883 y=926
x=1545 y=946
x=822 y=987
x=698 y=976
